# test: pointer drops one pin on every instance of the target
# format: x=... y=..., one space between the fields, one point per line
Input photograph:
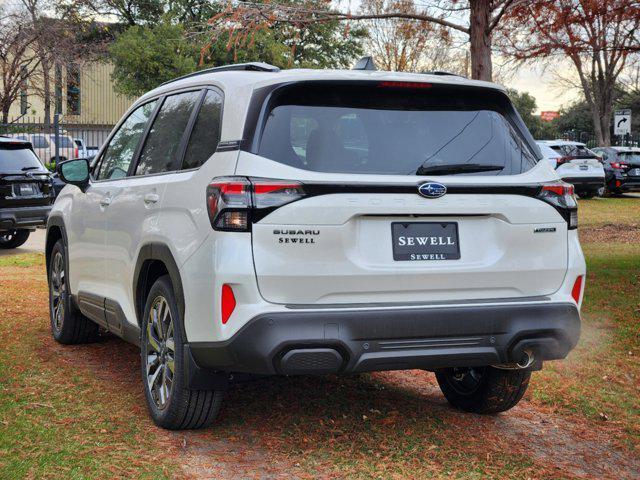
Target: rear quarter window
x=369 y=129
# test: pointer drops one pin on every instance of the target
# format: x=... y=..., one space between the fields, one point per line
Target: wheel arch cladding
x=154 y=261
x=55 y=231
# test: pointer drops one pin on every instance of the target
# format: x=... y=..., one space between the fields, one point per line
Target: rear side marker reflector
x=228 y=303
x=576 y=291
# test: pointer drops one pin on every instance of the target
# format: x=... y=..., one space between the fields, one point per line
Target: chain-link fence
x=57 y=141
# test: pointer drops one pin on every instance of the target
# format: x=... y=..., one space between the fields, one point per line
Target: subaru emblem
x=432 y=190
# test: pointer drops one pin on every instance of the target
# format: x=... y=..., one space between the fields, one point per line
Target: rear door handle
x=150 y=198
x=105 y=202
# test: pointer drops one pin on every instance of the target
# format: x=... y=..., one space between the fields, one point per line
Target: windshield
x=394 y=131
x=18 y=159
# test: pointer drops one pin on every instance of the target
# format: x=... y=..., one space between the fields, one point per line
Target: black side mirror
x=75 y=172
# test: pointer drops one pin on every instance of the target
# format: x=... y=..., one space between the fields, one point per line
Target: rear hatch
x=374 y=225
x=24 y=182
x=630 y=164
x=578 y=161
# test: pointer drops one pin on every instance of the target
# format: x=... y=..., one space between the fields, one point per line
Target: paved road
x=35 y=243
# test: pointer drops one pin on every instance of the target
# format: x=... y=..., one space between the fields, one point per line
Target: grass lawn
x=601 y=378
x=78 y=412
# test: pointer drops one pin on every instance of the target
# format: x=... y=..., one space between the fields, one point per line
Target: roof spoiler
x=246 y=67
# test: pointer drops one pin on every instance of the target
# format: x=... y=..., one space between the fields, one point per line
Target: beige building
x=83 y=95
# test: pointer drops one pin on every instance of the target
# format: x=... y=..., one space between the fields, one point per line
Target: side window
x=119 y=153
x=162 y=145
x=39 y=141
x=206 y=132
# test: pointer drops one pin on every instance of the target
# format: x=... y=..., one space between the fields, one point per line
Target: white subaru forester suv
x=245 y=221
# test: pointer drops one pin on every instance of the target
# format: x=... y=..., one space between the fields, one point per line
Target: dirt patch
x=611 y=233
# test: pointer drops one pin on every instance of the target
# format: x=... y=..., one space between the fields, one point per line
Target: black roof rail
x=247 y=67
x=443 y=73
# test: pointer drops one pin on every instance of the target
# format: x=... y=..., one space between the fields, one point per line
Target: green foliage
x=146 y=56
x=576 y=118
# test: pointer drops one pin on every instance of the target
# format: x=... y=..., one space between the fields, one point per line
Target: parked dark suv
x=26 y=192
x=621 y=168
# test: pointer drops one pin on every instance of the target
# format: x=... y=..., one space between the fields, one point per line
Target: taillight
x=234 y=202
x=227 y=303
x=576 y=291
x=618 y=165
x=561 y=196
x=75 y=154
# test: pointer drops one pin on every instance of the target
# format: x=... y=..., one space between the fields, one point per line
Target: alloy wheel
x=466 y=380
x=160 y=352
x=58 y=290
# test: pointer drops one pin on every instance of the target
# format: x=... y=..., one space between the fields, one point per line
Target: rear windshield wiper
x=453 y=168
x=24 y=169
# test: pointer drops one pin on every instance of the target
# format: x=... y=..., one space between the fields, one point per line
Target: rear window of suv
x=392 y=129
x=17 y=158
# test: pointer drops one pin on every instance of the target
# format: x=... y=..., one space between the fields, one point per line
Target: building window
x=58 y=89
x=23 y=91
x=73 y=90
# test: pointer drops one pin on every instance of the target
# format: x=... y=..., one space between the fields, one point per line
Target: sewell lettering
x=410 y=241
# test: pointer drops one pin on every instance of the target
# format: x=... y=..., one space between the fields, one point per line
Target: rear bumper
x=24 y=217
x=627 y=184
x=592 y=183
x=360 y=340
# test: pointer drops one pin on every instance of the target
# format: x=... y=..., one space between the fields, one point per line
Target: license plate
x=415 y=241
x=25 y=189
x=635 y=172
x=584 y=167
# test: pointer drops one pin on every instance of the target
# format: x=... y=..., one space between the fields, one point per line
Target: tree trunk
x=46 y=97
x=597 y=125
x=5 y=114
x=480 y=39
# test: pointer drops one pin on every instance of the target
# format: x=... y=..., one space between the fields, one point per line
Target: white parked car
x=44 y=144
x=246 y=220
x=576 y=164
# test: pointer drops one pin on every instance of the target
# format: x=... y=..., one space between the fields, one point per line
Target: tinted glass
x=64 y=142
x=39 y=141
x=161 y=148
x=13 y=159
x=206 y=132
x=630 y=157
x=119 y=153
x=579 y=151
x=394 y=131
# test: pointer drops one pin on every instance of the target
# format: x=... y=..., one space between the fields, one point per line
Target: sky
x=540 y=84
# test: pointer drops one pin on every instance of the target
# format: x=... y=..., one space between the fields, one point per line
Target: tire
x=172 y=405
x=13 y=238
x=483 y=390
x=68 y=325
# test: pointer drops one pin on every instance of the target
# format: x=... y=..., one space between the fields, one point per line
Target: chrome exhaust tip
x=526 y=361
